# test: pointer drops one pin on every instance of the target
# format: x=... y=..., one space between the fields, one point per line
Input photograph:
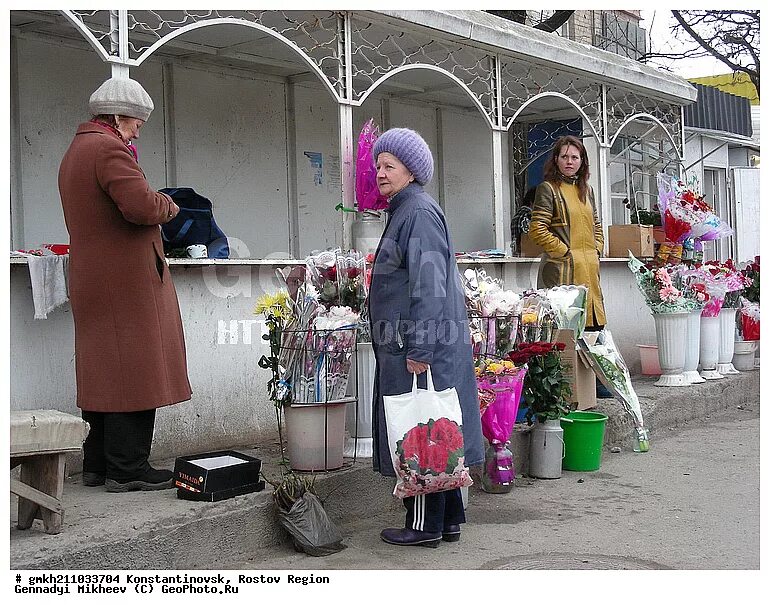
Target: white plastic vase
x=671 y=330
x=546 y=449
x=726 y=342
x=692 y=353
x=358 y=442
x=709 y=347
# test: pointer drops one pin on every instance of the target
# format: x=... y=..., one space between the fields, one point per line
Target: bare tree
x=551 y=24
x=732 y=37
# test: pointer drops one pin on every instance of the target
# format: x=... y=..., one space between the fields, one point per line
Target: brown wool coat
x=129 y=343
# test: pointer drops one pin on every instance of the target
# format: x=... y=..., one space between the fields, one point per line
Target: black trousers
x=433 y=512
x=118 y=444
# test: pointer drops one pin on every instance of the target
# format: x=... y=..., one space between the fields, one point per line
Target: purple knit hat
x=409 y=148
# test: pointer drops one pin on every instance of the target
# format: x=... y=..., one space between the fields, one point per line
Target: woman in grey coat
x=419 y=321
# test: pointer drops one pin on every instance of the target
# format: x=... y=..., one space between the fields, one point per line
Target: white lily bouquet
x=607 y=363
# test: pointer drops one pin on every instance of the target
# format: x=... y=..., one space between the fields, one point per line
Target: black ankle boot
x=148 y=481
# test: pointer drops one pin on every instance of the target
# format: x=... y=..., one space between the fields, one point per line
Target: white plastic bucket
x=648 y=354
x=315 y=434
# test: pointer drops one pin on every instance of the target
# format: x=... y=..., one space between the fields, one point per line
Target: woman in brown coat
x=129 y=344
x=565 y=224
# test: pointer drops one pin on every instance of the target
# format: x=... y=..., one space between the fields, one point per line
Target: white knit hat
x=123 y=96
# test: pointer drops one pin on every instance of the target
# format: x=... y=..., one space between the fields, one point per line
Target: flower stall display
x=500 y=385
x=608 y=365
x=318 y=344
x=492 y=313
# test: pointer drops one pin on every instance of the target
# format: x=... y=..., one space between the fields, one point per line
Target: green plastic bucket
x=583 y=440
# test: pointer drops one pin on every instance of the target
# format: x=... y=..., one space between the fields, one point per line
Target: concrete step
x=158 y=531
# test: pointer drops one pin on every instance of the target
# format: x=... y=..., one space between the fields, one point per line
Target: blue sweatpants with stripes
x=433 y=512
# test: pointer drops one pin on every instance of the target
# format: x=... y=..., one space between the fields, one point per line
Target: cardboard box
x=582 y=378
x=217 y=475
x=529 y=248
x=637 y=238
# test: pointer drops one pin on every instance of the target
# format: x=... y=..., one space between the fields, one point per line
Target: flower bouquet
x=664 y=289
x=608 y=365
x=277 y=313
x=538 y=318
x=492 y=313
x=751 y=272
x=569 y=307
x=717 y=280
x=504 y=381
x=748 y=320
x=546 y=386
x=367 y=194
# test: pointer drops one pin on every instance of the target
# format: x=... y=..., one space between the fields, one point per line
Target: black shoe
x=409 y=537
x=93 y=479
x=451 y=533
x=149 y=481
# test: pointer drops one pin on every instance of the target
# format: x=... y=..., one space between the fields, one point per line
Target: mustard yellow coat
x=570 y=233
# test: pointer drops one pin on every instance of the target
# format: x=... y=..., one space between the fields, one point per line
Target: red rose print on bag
x=431 y=458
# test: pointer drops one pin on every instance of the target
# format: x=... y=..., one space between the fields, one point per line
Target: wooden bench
x=40 y=441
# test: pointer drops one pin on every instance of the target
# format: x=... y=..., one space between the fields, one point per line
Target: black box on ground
x=217 y=475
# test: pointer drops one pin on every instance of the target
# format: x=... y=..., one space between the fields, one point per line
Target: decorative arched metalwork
x=379 y=48
x=449 y=75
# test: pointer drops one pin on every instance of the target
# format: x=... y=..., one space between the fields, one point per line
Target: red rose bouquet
x=546 y=387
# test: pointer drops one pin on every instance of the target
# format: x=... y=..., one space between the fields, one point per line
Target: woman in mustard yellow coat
x=565 y=224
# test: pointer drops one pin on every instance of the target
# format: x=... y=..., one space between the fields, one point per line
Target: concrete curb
x=156 y=531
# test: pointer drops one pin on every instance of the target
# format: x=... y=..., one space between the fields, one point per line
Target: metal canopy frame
x=355 y=53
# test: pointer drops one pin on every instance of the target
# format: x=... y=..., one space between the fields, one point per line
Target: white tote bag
x=425 y=438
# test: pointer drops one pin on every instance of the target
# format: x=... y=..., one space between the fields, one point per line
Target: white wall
x=231 y=148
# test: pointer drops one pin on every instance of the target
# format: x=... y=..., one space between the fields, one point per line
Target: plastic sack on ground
x=310 y=526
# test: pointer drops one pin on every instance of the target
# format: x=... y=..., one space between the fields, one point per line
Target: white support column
x=346 y=171
x=604 y=191
x=498 y=210
x=119 y=43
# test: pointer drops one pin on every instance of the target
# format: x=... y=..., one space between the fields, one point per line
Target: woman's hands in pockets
x=414 y=366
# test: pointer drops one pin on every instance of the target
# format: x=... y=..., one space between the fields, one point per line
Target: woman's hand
x=414 y=366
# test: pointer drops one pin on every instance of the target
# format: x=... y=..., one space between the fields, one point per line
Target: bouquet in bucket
x=665 y=289
x=492 y=313
x=500 y=385
x=546 y=386
x=327 y=296
x=721 y=282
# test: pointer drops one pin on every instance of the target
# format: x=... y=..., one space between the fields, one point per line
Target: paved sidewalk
x=155 y=530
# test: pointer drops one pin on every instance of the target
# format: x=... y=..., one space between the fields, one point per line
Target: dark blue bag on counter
x=194 y=224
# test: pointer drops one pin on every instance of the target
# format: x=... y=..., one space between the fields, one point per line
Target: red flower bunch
x=676 y=230
x=434 y=447
x=525 y=351
x=330 y=273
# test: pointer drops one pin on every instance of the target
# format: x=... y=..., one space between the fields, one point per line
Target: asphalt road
x=691 y=503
